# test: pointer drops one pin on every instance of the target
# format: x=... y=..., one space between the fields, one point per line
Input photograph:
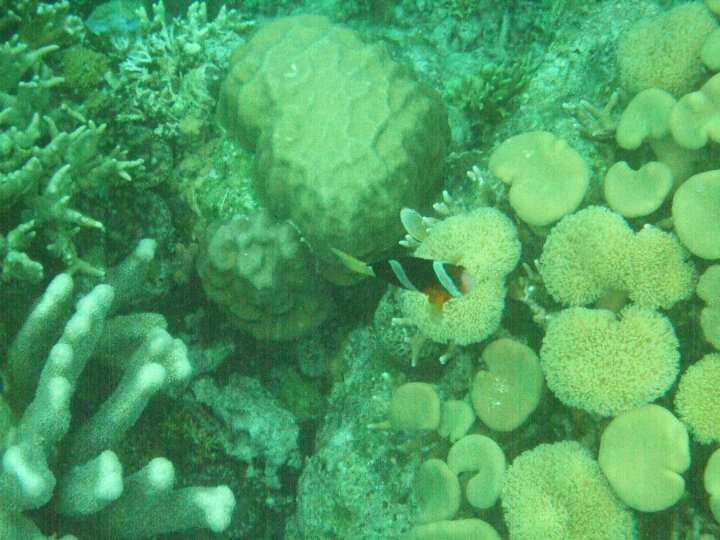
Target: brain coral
x=344 y=136
x=262 y=274
x=606 y=365
x=557 y=492
x=664 y=51
x=484 y=242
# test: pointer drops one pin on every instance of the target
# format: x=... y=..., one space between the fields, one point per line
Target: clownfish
x=438 y=280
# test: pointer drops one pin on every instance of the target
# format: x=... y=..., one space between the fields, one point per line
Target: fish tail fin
x=353 y=264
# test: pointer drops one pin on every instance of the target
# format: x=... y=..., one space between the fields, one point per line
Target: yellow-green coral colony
x=610 y=352
x=303 y=83
x=708 y=289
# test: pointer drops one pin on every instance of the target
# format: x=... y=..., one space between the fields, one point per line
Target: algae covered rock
x=345 y=137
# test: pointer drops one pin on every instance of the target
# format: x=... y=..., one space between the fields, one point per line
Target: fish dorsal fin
x=353 y=264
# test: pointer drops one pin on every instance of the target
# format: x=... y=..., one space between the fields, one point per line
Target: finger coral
x=71 y=471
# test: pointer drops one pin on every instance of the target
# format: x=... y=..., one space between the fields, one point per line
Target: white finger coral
x=73 y=472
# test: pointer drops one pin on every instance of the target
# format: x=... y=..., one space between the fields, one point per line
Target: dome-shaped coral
x=345 y=137
x=557 y=492
x=485 y=243
x=605 y=365
x=262 y=273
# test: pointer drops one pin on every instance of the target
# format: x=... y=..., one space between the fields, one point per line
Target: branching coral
x=162 y=94
x=85 y=480
x=48 y=155
x=166 y=73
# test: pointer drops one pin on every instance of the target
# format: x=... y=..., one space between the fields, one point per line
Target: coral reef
x=257 y=425
x=484 y=242
x=558 y=491
x=575 y=392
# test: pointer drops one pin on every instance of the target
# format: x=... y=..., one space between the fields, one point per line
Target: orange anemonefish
x=439 y=280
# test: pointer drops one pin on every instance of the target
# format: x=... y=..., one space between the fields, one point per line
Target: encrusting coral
x=74 y=472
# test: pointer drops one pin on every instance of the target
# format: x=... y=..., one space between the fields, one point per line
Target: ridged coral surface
x=345 y=137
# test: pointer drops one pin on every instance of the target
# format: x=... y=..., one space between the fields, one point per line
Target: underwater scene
x=360 y=270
